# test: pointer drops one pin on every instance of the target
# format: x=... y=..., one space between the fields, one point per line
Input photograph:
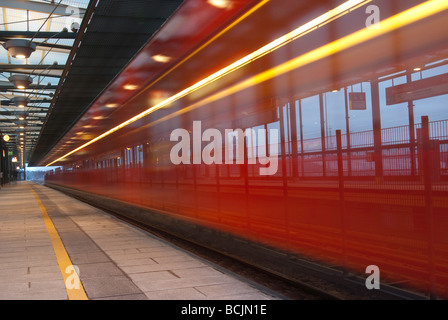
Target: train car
x=285 y=133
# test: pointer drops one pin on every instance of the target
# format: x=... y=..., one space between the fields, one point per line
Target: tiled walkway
x=115 y=260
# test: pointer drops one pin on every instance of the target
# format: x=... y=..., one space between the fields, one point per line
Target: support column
x=376 y=120
x=294 y=149
x=301 y=139
x=347 y=129
x=427 y=159
x=322 y=133
x=411 y=132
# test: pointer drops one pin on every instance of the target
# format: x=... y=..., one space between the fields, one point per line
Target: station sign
x=421 y=89
x=357 y=101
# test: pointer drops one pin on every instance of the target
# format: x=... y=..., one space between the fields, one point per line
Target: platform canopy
x=76 y=48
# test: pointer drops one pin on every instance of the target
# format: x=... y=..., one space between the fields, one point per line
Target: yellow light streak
x=407 y=17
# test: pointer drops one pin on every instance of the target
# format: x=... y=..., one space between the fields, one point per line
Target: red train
x=274 y=131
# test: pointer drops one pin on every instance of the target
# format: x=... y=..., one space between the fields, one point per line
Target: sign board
x=10 y=153
x=421 y=89
x=14 y=159
x=357 y=100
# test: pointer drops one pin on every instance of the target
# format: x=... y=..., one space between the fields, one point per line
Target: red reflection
x=346 y=198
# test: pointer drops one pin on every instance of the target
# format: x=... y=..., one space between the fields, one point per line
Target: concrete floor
x=115 y=260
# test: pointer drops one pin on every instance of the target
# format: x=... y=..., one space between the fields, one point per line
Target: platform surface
x=115 y=260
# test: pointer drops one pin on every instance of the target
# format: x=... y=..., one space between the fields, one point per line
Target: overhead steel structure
x=37 y=38
x=80 y=46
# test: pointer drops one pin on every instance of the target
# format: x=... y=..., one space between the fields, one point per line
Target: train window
x=311 y=124
x=286 y=127
x=274 y=145
x=128 y=157
x=139 y=155
x=335 y=112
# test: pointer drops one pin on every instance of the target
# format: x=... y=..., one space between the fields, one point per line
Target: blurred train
x=356 y=92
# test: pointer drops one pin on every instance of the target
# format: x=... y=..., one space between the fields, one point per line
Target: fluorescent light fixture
x=161 y=58
x=130 y=87
x=221 y=4
x=407 y=17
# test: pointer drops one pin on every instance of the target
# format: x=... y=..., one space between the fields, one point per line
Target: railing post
x=342 y=200
x=377 y=140
x=429 y=211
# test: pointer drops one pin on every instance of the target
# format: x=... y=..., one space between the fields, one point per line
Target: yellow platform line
x=73 y=285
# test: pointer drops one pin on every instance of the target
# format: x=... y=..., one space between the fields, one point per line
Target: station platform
x=50 y=241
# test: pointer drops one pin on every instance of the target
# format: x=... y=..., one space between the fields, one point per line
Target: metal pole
x=294 y=151
x=411 y=132
x=347 y=129
x=427 y=178
x=322 y=133
x=341 y=199
x=376 y=119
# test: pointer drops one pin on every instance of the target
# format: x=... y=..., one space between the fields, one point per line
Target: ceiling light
x=130 y=87
x=417 y=69
x=20 y=48
x=21 y=81
x=221 y=4
x=112 y=105
x=161 y=58
x=20 y=102
x=6 y=138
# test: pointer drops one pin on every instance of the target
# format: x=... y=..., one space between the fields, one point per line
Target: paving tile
x=153 y=276
x=84 y=258
x=176 y=294
x=135 y=262
x=197 y=272
x=109 y=286
x=158 y=267
x=100 y=269
x=225 y=289
x=157 y=285
x=139 y=296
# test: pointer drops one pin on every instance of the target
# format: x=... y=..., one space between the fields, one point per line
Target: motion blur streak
x=274 y=45
x=417 y=13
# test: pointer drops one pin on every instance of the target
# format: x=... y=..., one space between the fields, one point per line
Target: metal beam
x=61 y=48
x=8 y=102
x=4 y=87
x=61 y=10
x=39 y=35
x=49 y=73
x=6 y=66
